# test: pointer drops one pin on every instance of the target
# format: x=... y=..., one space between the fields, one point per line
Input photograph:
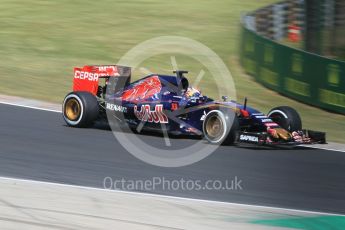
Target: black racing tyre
x=80 y=109
x=220 y=127
x=286 y=117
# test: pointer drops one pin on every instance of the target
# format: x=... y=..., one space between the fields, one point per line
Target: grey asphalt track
x=37 y=145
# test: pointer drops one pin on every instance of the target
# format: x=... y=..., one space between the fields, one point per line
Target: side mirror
x=225 y=98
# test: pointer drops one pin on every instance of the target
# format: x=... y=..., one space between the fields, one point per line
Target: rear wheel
x=286 y=117
x=80 y=109
x=220 y=127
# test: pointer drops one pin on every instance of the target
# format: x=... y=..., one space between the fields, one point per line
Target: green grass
x=41 y=41
x=306 y=223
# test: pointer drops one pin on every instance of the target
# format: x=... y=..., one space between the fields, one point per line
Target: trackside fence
x=300 y=75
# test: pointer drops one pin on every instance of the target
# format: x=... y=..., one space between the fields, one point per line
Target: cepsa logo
x=148 y=115
x=92 y=73
x=78 y=74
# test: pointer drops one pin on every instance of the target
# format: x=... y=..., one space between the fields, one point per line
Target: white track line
x=323 y=148
x=169 y=197
x=30 y=107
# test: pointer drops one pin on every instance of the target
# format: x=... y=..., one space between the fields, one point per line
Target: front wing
x=263 y=138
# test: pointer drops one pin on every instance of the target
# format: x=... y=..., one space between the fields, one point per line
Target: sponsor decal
x=117 y=108
x=174 y=106
x=153 y=116
x=332 y=98
x=203 y=116
x=83 y=75
x=144 y=89
x=266 y=120
x=244 y=137
x=258 y=114
x=106 y=68
x=297 y=87
x=262 y=116
x=271 y=124
x=334 y=73
x=269 y=54
x=268 y=76
x=297 y=64
x=92 y=73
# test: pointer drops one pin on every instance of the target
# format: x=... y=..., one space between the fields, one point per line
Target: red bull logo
x=148 y=115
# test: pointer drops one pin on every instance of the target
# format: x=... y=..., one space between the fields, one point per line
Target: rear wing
x=87 y=77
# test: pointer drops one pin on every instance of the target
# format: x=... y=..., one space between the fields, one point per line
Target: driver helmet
x=193 y=92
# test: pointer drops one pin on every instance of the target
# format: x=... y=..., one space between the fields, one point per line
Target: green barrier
x=303 y=76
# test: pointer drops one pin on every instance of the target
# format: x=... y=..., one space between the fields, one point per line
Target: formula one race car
x=168 y=103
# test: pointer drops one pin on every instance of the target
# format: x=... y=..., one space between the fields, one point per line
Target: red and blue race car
x=168 y=103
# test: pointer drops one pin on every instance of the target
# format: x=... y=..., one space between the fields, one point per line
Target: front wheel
x=220 y=127
x=287 y=118
x=80 y=109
